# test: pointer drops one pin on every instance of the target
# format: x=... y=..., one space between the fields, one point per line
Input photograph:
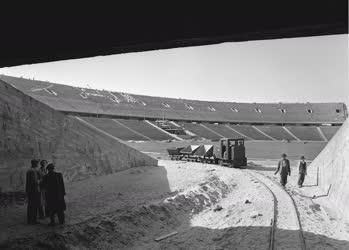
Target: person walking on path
x=284 y=168
x=302 y=171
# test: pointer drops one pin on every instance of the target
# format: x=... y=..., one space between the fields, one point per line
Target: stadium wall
x=30 y=129
x=333 y=174
x=255 y=150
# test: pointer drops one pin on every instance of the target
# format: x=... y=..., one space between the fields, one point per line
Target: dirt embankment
x=33 y=130
x=133 y=228
x=210 y=207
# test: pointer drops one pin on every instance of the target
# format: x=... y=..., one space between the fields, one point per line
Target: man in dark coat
x=284 y=168
x=302 y=171
x=43 y=211
x=32 y=192
x=55 y=191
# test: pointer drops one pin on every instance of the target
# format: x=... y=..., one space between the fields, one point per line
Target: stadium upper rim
x=92 y=102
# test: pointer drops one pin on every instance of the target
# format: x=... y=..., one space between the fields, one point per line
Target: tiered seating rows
x=223 y=130
x=200 y=131
x=306 y=133
x=250 y=132
x=145 y=129
x=329 y=131
x=277 y=132
x=69 y=99
x=128 y=129
x=115 y=129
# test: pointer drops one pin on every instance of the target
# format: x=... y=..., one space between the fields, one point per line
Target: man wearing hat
x=55 y=191
x=284 y=168
x=302 y=171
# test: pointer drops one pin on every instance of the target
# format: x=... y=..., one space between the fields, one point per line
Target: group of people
x=285 y=170
x=45 y=193
x=45 y=188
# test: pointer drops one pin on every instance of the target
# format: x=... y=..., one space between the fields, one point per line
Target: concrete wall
x=333 y=164
x=254 y=149
x=30 y=129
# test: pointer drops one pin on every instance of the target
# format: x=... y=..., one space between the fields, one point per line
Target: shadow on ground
x=88 y=199
x=244 y=238
x=110 y=236
x=155 y=211
x=254 y=166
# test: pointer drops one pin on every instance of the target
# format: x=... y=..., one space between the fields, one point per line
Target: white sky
x=312 y=69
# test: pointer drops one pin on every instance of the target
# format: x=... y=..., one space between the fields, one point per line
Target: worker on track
x=302 y=171
x=284 y=168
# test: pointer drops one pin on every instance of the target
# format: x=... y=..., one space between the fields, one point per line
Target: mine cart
x=231 y=153
x=205 y=154
x=175 y=153
x=188 y=153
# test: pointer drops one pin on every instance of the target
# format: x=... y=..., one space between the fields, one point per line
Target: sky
x=311 y=69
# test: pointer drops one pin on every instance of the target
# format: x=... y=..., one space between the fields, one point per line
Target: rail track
x=285 y=227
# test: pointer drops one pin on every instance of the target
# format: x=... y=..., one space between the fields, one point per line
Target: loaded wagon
x=175 y=153
x=189 y=152
x=205 y=154
x=229 y=153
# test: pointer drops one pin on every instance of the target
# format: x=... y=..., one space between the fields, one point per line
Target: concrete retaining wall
x=254 y=149
x=30 y=129
x=333 y=164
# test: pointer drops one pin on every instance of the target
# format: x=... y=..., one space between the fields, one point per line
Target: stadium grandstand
x=132 y=117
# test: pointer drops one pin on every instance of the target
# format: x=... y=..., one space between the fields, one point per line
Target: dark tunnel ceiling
x=32 y=38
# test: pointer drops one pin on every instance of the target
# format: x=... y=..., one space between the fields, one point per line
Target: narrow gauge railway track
x=286 y=229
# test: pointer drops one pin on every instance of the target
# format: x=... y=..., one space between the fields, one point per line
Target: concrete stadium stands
x=128 y=129
x=249 y=132
x=77 y=100
x=223 y=130
x=144 y=128
x=277 y=132
x=138 y=130
x=32 y=130
x=200 y=131
x=305 y=133
x=259 y=132
x=255 y=150
x=329 y=131
x=116 y=129
x=208 y=120
x=169 y=127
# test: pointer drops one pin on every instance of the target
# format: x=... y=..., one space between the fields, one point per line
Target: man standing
x=54 y=186
x=302 y=171
x=43 y=207
x=33 y=193
x=284 y=168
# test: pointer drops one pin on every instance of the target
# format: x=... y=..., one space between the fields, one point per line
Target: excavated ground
x=208 y=206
